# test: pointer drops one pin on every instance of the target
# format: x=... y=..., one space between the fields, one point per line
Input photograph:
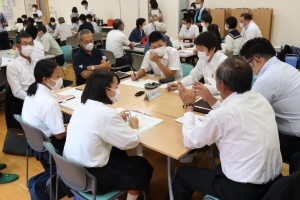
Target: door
x=44 y=7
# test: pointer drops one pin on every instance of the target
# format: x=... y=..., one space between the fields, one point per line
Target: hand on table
x=134 y=123
x=124 y=114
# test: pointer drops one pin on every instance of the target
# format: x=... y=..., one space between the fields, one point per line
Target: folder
x=202 y=106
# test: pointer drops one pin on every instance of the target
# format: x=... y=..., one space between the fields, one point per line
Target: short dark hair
x=82 y=17
x=32 y=30
x=74 y=19
x=260 y=47
x=154 y=4
x=42 y=28
x=74 y=10
x=155 y=36
x=236 y=74
x=187 y=20
x=52 y=19
x=117 y=23
x=207 y=39
x=43 y=68
x=30 y=20
x=22 y=35
x=207 y=18
x=89 y=16
x=246 y=16
x=214 y=28
x=96 y=86
x=232 y=22
x=34 y=5
x=24 y=16
x=193 y=4
x=139 y=22
x=19 y=20
x=25 y=22
x=84 y=3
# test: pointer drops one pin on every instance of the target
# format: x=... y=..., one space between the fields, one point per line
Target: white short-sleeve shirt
x=89 y=10
x=39 y=13
x=63 y=31
x=115 y=41
x=193 y=31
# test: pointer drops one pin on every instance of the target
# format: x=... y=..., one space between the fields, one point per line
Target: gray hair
x=61 y=20
x=153 y=16
x=83 y=32
x=161 y=27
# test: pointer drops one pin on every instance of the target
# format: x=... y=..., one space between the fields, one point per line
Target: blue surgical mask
x=254 y=78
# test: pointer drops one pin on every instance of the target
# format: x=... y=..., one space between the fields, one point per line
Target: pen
x=200 y=119
x=78 y=89
x=134 y=74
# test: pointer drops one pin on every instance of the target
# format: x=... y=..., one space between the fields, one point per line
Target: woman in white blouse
x=98 y=136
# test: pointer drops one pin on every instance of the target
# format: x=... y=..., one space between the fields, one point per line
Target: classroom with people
x=149 y=99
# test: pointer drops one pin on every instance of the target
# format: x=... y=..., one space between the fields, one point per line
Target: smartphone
x=140 y=93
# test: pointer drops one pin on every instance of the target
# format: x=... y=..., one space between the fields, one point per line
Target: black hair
x=82 y=17
x=232 y=22
x=25 y=22
x=207 y=18
x=34 y=5
x=24 y=16
x=43 y=68
x=236 y=74
x=32 y=30
x=42 y=28
x=74 y=10
x=139 y=22
x=193 y=5
x=96 y=86
x=260 y=47
x=74 y=19
x=84 y=3
x=117 y=23
x=154 y=4
x=19 y=20
x=89 y=16
x=214 y=28
x=52 y=19
x=207 y=39
x=246 y=16
x=187 y=20
x=30 y=21
x=22 y=35
x=156 y=36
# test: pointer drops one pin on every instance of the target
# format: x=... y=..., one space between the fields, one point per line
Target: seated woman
x=188 y=29
x=98 y=136
x=214 y=28
x=137 y=34
x=51 y=26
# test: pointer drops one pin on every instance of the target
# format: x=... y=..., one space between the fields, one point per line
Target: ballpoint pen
x=134 y=74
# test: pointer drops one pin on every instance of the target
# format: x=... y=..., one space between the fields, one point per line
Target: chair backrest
x=67 y=52
x=97 y=37
x=186 y=69
x=74 y=176
x=12 y=34
x=110 y=56
x=137 y=61
x=72 y=41
x=34 y=136
x=229 y=54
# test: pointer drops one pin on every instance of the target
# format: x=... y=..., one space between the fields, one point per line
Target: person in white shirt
x=51 y=26
x=206 y=20
x=188 y=30
x=107 y=134
x=41 y=108
x=88 y=10
x=250 y=29
x=163 y=60
x=63 y=31
x=279 y=83
x=244 y=129
x=233 y=41
x=149 y=28
x=116 y=40
x=75 y=25
x=37 y=14
x=95 y=25
x=19 y=25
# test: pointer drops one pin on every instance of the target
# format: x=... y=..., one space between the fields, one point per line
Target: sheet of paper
x=140 y=83
x=5 y=61
x=198 y=119
x=73 y=91
x=71 y=104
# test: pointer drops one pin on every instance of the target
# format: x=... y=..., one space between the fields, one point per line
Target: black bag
x=15 y=142
x=286 y=50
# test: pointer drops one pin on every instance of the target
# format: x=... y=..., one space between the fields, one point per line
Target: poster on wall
x=8 y=2
x=8 y=12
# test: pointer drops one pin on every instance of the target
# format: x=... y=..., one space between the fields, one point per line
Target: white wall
x=18 y=10
x=285 y=28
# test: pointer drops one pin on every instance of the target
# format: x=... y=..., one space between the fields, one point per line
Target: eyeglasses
x=250 y=60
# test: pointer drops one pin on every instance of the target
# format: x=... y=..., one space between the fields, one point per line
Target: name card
x=153 y=94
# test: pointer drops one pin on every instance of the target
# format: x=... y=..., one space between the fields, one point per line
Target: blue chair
x=209 y=197
x=67 y=52
x=112 y=59
x=78 y=179
x=186 y=69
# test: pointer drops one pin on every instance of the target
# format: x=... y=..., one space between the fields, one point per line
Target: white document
x=73 y=91
x=5 y=61
x=198 y=120
x=140 y=83
x=72 y=104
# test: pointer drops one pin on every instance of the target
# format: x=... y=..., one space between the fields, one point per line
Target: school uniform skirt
x=123 y=172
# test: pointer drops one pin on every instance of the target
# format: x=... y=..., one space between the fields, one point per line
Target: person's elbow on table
x=131 y=45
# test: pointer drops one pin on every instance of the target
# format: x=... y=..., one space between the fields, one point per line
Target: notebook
x=71 y=104
x=122 y=75
x=202 y=106
x=198 y=119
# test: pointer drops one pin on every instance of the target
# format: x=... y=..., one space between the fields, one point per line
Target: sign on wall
x=8 y=2
x=8 y=12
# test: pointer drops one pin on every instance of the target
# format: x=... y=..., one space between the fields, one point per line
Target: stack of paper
x=140 y=83
x=198 y=120
x=71 y=104
x=75 y=92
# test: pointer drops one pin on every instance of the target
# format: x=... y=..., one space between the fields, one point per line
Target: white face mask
x=83 y=7
x=34 y=9
x=198 y=6
x=241 y=25
x=226 y=27
x=52 y=23
x=203 y=56
x=58 y=84
x=202 y=24
x=204 y=29
x=89 y=46
x=159 y=51
x=117 y=95
x=143 y=27
x=27 y=50
x=155 y=23
x=184 y=26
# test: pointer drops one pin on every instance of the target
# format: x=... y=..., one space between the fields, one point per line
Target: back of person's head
x=207 y=18
x=139 y=22
x=61 y=20
x=32 y=30
x=21 y=36
x=89 y=17
x=43 y=69
x=52 y=19
x=236 y=74
x=34 y=6
x=82 y=17
x=246 y=16
x=74 y=19
x=117 y=24
x=188 y=20
x=161 y=27
x=25 y=23
x=96 y=86
x=74 y=10
x=30 y=21
x=24 y=16
x=214 y=28
x=258 y=47
x=19 y=20
x=154 y=17
x=207 y=39
x=42 y=28
x=84 y=3
x=155 y=36
x=154 y=4
x=232 y=22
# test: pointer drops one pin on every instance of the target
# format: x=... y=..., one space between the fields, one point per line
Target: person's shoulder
x=78 y=53
x=172 y=50
x=220 y=56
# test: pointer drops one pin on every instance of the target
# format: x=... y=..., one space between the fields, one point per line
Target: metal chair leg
x=170 y=164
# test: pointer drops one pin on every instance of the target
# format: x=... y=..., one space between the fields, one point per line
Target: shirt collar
x=249 y=24
x=229 y=99
x=214 y=60
x=46 y=90
x=24 y=61
x=268 y=64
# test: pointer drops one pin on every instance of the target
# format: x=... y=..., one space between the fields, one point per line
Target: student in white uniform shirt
x=149 y=28
x=163 y=60
x=250 y=29
x=95 y=25
x=107 y=134
x=87 y=9
x=63 y=31
x=244 y=129
x=188 y=30
x=37 y=14
x=233 y=41
x=19 y=25
x=75 y=24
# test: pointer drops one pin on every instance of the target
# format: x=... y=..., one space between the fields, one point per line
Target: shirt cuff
x=216 y=105
x=189 y=117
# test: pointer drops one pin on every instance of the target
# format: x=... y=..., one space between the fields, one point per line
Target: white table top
x=5 y=61
x=106 y=27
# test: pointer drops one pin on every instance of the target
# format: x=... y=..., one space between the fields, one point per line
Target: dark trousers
x=63 y=43
x=124 y=60
x=214 y=182
x=288 y=146
x=4 y=41
x=39 y=23
x=60 y=60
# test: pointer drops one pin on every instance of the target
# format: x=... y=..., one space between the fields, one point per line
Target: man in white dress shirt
x=250 y=29
x=88 y=10
x=149 y=28
x=63 y=31
x=37 y=14
x=244 y=129
x=279 y=83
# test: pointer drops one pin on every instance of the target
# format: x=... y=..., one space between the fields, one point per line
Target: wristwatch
x=187 y=105
x=93 y=67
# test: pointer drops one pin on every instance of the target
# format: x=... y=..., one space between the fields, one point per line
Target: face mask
x=34 y=9
x=241 y=25
x=183 y=26
x=117 y=96
x=202 y=24
x=204 y=29
x=198 y=6
x=89 y=46
x=159 y=51
x=83 y=7
x=27 y=50
x=226 y=28
x=58 y=84
x=143 y=27
x=52 y=23
x=88 y=20
x=155 y=23
x=203 y=56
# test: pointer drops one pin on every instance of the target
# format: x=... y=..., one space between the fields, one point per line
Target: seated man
x=88 y=59
x=85 y=24
x=244 y=129
x=116 y=40
x=162 y=59
x=51 y=47
x=95 y=25
x=63 y=31
x=137 y=34
x=250 y=29
x=188 y=29
x=149 y=28
x=279 y=83
x=75 y=24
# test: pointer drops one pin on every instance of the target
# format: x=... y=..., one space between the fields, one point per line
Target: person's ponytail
x=32 y=89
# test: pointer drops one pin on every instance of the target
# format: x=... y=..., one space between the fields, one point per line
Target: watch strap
x=187 y=105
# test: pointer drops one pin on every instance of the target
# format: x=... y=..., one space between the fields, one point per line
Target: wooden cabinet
x=218 y=16
x=263 y=19
x=237 y=13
